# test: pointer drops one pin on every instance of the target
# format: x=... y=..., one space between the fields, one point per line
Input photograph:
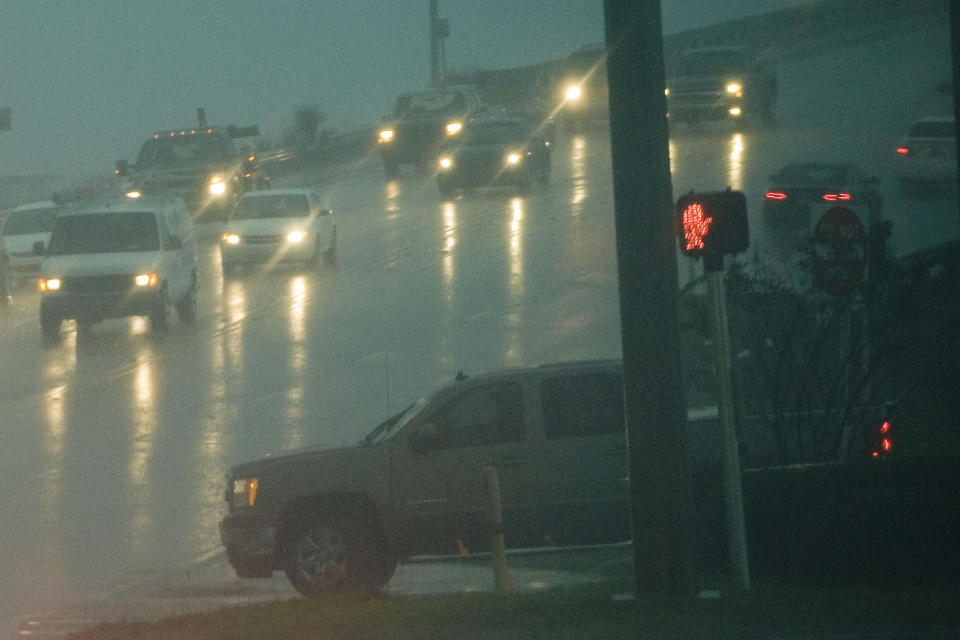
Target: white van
x=119 y=258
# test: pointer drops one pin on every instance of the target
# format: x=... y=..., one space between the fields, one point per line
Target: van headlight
x=243 y=492
x=145 y=279
x=217 y=186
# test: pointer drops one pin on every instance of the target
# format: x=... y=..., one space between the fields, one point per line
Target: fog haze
x=88 y=80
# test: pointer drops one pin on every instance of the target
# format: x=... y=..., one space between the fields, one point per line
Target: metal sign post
x=732 y=488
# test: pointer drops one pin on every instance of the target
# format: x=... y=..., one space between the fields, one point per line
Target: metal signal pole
x=660 y=478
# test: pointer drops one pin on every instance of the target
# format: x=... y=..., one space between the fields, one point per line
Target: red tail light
x=879 y=440
x=775 y=195
x=833 y=197
x=903 y=150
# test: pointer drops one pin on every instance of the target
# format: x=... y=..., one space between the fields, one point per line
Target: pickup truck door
x=582 y=465
x=438 y=470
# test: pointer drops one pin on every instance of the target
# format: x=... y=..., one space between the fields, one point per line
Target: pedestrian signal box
x=713 y=224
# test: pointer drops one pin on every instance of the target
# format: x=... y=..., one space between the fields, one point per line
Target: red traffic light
x=713 y=224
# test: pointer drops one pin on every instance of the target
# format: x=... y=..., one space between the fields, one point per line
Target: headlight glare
x=296 y=236
x=145 y=279
x=446 y=162
x=573 y=92
x=49 y=284
x=733 y=87
x=230 y=238
x=513 y=158
x=453 y=128
x=386 y=135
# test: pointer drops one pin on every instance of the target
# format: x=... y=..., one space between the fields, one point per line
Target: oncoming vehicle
x=23 y=227
x=495 y=151
x=202 y=165
x=719 y=83
x=421 y=122
x=119 y=258
x=279 y=225
x=582 y=89
x=928 y=151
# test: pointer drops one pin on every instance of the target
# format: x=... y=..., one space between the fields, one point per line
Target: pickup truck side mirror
x=174 y=243
x=122 y=168
x=38 y=248
x=424 y=438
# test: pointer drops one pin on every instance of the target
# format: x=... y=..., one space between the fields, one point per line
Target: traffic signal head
x=713 y=224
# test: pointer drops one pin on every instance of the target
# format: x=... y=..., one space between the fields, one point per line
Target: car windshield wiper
x=384 y=426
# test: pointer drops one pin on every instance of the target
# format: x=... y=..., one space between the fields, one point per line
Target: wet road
x=115 y=442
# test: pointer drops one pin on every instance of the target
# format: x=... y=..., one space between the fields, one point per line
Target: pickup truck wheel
x=187 y=306
x=331 y=554
x=159 y=316
x=49 y=324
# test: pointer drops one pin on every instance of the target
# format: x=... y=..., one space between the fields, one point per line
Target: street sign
x=839 y=252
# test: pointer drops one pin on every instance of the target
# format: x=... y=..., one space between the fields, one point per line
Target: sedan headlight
x=145 y=279
x=295 y=237
x=49 y=284
x=217 y=186
x=243 y=492
x=386 y=135
x=453 y=128
x=230 y=238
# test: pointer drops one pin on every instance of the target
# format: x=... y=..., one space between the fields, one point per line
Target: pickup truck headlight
x=296 y=237
x=145 y=279
x=243 y=492
x=386 y=135
x=217 y=186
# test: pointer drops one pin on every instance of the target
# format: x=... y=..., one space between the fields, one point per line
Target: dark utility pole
x=435 y=78
x=660 y=481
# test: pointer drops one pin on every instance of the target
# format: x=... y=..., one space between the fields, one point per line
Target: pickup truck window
x=484 y=416
x=582 y=405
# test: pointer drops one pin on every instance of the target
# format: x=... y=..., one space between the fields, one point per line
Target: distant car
x=719 y=83
x=494 y=151
x=421 y=122
x=279 y=225
x=582 y=88
x=928 y=151
x=797 y=187
x=23 y=228
x=123 y=257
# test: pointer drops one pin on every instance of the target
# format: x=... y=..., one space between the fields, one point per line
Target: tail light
x=903 y=150
x=833 y=197
x=775 y=195
x=879 y=440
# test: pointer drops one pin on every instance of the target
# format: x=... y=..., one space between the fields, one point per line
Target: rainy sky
x=88 y=80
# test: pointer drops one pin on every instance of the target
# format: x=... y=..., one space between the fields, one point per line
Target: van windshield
x=108 y=232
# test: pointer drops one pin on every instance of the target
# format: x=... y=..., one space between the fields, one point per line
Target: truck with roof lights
x=200 y=164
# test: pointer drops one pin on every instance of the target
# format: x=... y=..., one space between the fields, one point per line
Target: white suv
x=119 y=258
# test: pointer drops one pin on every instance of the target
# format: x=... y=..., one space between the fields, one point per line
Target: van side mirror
x=122 y=168
x=38 y=248
x=174 y=243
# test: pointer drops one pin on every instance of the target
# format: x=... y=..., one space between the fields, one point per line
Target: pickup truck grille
x=267 y=239
x=97 y=284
